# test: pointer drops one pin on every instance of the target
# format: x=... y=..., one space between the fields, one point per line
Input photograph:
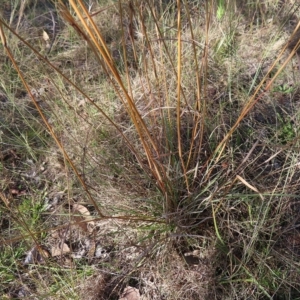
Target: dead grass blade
x=95 y=40
x=49 y=127
x=250 y=186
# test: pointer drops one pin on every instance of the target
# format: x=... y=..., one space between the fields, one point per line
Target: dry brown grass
x=186 y=170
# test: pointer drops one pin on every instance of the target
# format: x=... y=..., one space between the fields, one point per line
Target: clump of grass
x=204 y=167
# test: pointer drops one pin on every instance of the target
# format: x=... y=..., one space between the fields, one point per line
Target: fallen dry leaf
x=60 y=250
x=36 y=255
x=81 y=209
x=83 y=215
x=130 y=293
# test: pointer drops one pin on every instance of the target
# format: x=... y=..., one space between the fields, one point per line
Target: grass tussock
x=150 y=144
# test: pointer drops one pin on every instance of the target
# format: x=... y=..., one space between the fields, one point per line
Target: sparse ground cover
x=152 y=153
